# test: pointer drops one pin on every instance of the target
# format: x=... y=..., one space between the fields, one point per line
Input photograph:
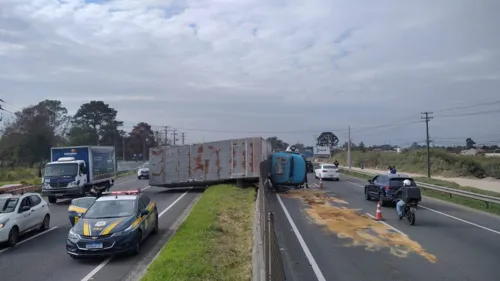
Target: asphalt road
x=448 y=242
x=43 y=256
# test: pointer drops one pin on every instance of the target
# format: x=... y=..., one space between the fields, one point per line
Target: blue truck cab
x=73 y=171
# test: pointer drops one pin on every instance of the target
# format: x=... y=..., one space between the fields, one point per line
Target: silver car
x=143 y=172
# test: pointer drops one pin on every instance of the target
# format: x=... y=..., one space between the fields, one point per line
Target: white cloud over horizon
x=221 y=67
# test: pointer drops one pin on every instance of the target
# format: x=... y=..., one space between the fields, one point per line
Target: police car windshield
x=329 y=167
x=8 y=205
x=111 y=209
x=145 y=165
x=57 y=170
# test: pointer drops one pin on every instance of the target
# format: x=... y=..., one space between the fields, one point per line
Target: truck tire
x=52 y=199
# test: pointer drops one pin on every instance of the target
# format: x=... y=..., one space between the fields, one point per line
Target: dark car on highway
x=382 y=187
x=117 y=222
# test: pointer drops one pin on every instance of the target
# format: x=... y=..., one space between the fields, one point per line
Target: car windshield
x=84 y=202
x=57 y=170
x=111 y=209
x=329 y=167
x=145 y=165
x=398 y=182
x=8 y=205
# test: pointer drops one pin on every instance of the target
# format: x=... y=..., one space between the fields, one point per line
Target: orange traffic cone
x=320 y=183
x=378 y=216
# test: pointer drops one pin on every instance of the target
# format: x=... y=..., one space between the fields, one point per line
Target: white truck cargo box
x=207 y=163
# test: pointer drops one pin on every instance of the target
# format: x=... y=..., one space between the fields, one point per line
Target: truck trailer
x=73 y=171
x=208 y=163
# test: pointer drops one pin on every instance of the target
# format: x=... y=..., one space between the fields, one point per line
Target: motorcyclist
x=336 y=163
x=401 y=204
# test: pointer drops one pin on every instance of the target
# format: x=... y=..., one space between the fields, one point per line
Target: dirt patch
x=361 y=230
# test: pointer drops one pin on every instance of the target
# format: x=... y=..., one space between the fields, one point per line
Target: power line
x=468 y=106
x=471 y=113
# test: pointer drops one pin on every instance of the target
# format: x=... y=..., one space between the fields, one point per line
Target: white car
x=20 y=214
x=327 y=171
x=143 y=171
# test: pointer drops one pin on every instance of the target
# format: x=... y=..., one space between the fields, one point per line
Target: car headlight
x=73 y=235
x=123 y=232
x=3 y=223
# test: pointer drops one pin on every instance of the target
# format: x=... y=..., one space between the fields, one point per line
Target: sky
x=220 y=69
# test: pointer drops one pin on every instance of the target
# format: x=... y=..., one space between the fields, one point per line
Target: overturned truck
x=235 y=160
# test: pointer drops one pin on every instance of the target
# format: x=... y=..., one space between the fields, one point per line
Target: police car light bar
x=123 y=192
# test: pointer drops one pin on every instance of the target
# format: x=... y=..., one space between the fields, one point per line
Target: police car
x=117 y=222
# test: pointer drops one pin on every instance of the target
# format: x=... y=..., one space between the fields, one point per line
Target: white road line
x=106 y=261
x=147 y=187
x=32 y=237
x=388 y=225
x=462 y=220
x=97 y=269
x=449 y=216
x=310 y=258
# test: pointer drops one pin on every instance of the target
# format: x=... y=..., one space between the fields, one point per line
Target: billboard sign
x=322 y=151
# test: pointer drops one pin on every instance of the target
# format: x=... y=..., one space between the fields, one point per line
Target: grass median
x=213 y=243
x=457 y=199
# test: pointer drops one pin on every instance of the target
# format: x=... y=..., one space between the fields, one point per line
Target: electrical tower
x=165 y=130
x=174 y=136
x=183 y=137
x=427 y=118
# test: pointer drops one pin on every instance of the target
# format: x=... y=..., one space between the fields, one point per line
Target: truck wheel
x=52 y=199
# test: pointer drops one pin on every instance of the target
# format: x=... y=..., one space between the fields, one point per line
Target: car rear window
x=399 y=182
x=329 y=167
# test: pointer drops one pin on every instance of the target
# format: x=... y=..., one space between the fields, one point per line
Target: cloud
x=285 y=66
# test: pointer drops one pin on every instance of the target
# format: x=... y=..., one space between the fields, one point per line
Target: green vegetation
x=415 y=161
x=30 y=176
x=20 y=175
x=215 y=241
x=464 y=201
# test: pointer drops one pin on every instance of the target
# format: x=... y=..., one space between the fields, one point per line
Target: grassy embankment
x=214 y=242
x=30 y=176
x=442 y=163
x=464 y=201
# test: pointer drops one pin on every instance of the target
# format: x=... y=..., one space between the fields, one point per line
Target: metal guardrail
x=451 y=191
x=273 y=265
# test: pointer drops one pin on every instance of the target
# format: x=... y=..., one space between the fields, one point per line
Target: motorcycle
x=409 y=211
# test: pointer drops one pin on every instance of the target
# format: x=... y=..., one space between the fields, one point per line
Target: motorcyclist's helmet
x=407 y=182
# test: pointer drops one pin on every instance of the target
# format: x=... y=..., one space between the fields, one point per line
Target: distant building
x=472 y=152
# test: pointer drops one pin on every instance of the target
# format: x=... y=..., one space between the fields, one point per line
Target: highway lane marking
x=30 y=238
x=449 y=216
x=91 y=274
x=310 y=258
x=388 y=225
x=462 y=220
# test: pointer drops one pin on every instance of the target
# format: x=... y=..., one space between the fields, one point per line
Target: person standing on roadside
x=393 y=170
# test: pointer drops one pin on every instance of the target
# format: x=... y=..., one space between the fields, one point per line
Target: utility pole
x=183 y=137
x=174 y=136
x=123 y=147
x=349 y=148
x=427 y=118
x=165 y=128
